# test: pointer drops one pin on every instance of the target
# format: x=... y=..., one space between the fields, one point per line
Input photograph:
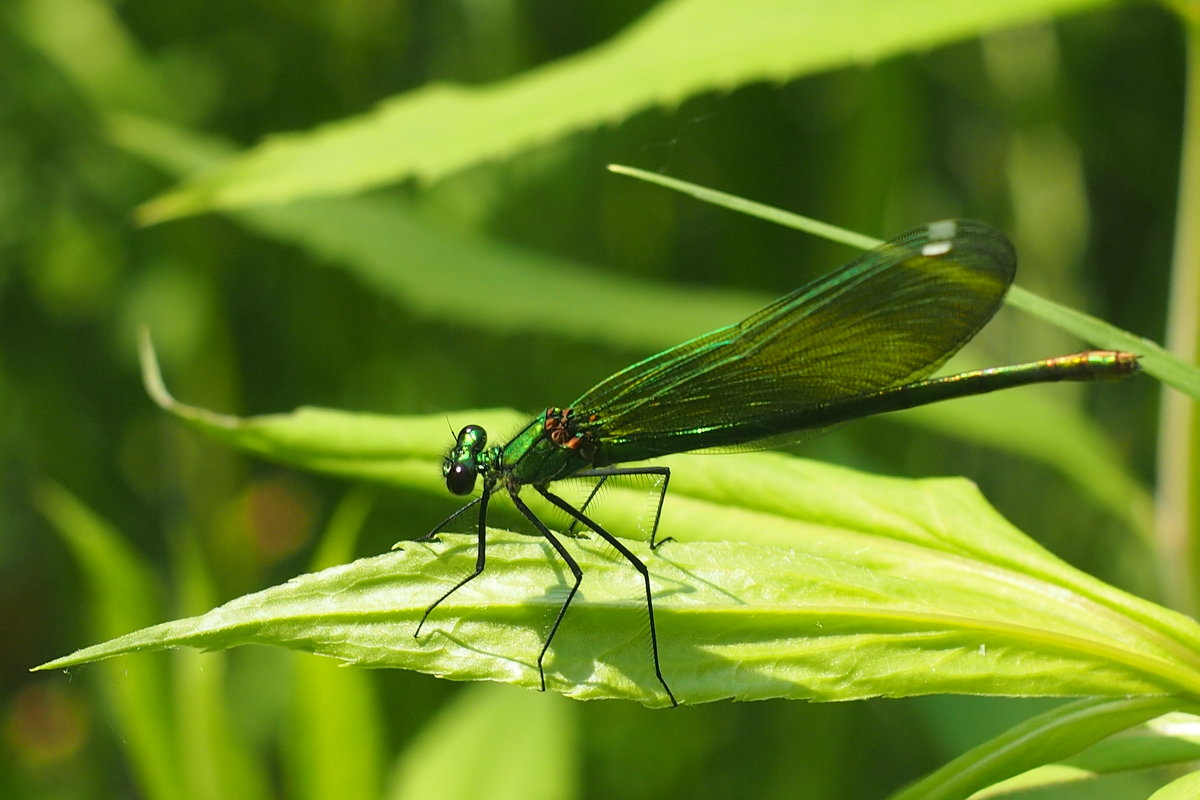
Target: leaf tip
x=621 y=169
x=165 y=208
x=57 y=663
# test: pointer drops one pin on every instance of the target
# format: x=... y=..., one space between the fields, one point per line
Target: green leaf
x=387 y=449
x=1185 y=788
x=914 y=588
x=384 y=243
x=459 y=757
x=122 y=596
x=1047 y=737
x=1169 y=740
x=679 y=49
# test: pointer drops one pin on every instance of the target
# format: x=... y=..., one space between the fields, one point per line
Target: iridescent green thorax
x=554 y=445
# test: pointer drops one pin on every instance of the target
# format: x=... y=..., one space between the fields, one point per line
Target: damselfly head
x=460 y=468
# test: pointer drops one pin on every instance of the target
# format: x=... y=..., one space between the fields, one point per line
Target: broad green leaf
x=459 y=756
x=679 y=49
x=1048 y=737
x=122 y=596
x=913 y=588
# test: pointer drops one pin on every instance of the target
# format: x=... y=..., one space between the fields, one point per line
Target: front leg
x=480 y=552
x=441 y=526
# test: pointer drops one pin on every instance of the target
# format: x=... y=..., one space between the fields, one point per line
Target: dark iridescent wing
x=891 y=316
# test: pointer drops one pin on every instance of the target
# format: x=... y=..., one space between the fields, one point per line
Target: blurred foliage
x=1065 y=132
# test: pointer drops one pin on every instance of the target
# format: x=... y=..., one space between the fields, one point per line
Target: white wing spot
x=941 y=236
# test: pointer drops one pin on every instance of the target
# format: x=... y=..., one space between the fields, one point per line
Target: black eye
x=460 y=479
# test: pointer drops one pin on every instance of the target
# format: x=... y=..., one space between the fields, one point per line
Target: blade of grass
x=1167 y=741
x=217 y=763
x=123 y=597
x=1048 y=737
x=1156 y=360
x=496 y=725
x=1177 y=524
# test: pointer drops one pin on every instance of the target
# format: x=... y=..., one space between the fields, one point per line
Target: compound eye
x=460 y=479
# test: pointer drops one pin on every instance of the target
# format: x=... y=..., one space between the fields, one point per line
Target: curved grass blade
x=428 y=768
x=1052 y=736
x=1169 y=741
x=123 y=595
x=1156 y=360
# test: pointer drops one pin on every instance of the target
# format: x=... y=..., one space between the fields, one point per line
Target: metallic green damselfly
x=858 y=341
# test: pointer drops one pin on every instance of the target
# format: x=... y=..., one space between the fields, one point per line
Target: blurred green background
x=1064 y=132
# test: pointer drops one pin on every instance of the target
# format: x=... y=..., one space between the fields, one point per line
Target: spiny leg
x=480 y=553
x=605 y=473
x=591 y=496
x=572 y=565
x=629 y=556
